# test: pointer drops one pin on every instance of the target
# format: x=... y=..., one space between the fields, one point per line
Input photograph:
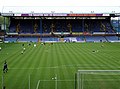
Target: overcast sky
x=58 y=3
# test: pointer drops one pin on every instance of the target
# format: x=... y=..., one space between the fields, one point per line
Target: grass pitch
x=54 y=66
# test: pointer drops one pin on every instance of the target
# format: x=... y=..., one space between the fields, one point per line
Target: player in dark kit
x=5 y=69
x=3 y=87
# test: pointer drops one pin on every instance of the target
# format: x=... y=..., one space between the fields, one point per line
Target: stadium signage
x=64 y=14
x=118 y=14
x=7 y=14
x=59 y=14
x=77 y=33
x=49 y=14
x=99 y=33
x=37 y=14
x=106 y=14
x=17 y=14
x=26 y=14
x=86 y=33
x=84 y=14
x=57 y=33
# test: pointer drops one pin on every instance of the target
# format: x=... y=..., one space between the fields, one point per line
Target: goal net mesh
x=98 y=79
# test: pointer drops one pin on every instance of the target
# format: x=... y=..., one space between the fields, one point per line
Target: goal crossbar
x=98 y=70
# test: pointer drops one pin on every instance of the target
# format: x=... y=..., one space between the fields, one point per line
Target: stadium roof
x=62 y=9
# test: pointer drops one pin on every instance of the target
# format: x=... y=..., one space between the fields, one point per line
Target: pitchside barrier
x=98 y=79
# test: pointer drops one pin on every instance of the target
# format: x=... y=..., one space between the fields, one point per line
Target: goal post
x=98 y=79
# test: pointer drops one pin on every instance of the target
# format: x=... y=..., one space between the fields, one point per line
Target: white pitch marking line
x=38 y=84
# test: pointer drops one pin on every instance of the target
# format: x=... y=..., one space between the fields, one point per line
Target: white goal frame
x=81 y=73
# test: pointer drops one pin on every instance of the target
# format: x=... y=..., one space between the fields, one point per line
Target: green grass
x=60 y=59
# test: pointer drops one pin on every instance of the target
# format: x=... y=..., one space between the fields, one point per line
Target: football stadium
x=60 y=48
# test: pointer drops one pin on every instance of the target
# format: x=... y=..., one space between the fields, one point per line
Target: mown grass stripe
x=63 y=59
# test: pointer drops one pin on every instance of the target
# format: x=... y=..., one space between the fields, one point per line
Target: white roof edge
x=61 y=9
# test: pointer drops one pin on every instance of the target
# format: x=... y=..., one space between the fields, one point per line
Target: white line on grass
x=29 y=81
x=2 y=81
x=38 y=84
x=56 y=68
x=56 y=82
x=63 y=66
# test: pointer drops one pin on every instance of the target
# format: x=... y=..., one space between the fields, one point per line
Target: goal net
x=98 y=79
